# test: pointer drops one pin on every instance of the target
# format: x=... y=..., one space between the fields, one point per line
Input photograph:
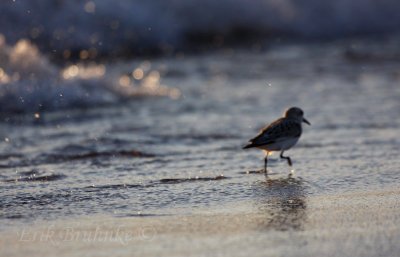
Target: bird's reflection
x=282 y=202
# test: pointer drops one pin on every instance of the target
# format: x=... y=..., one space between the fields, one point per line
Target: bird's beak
x=306 y=121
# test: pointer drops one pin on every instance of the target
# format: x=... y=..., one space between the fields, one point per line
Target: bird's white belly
x=281 y=145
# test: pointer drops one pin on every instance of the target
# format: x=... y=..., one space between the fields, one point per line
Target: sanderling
x=280 y=135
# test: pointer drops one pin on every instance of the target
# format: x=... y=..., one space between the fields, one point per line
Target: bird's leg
x=287 y=158
x=265 y=163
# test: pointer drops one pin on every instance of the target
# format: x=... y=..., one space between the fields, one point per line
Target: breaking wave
x=30 y=83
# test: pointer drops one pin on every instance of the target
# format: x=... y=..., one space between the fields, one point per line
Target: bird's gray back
x=278 y=130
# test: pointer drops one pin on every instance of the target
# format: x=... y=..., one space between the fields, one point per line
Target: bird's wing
x=280 y=129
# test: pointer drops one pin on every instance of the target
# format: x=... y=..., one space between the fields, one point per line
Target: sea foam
x=30 y=83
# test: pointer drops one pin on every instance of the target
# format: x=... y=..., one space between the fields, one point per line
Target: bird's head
x=295 y=113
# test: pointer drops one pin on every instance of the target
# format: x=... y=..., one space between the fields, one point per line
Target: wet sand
x=362 y=224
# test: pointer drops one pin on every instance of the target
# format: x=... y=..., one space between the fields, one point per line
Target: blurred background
x=44 y=45
x=125 y=28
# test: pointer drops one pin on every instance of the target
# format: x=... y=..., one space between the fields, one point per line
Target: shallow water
x=157 y=156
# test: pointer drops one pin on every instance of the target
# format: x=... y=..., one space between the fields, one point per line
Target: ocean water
x=121 y=27
x=161 y=138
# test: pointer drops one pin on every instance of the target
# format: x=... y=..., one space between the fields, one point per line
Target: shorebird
x=280 y=135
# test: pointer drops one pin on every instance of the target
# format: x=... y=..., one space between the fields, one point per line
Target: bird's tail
x=248 y=146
